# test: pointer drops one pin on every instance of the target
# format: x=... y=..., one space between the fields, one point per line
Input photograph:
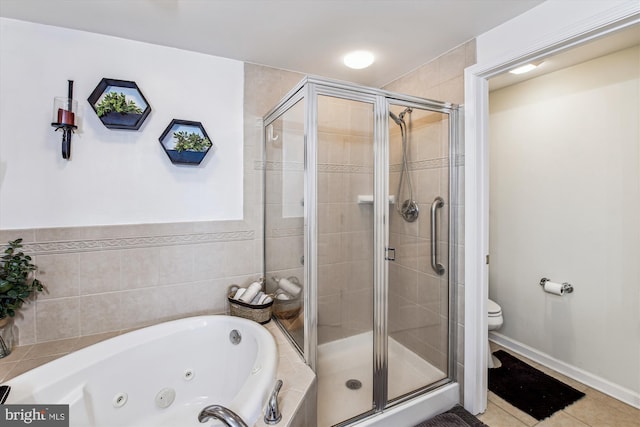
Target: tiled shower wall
x=109 y=278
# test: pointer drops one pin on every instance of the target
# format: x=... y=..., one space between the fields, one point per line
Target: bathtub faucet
x=223 y=414
x=272 y=414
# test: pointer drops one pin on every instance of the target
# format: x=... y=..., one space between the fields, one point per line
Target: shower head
x=396 y=119
x=399 y=119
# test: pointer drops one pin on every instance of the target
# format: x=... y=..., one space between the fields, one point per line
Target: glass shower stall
x=359 y=203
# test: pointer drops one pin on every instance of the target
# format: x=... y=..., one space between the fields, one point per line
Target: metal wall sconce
x=64 y=117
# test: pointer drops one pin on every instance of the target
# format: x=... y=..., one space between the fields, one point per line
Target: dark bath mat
x=528 y=389
x=454 y=417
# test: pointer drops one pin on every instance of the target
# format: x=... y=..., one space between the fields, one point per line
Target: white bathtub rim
x=250 y=408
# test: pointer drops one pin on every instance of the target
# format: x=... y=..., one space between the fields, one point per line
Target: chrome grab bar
x=219 y=412
x=438 y=202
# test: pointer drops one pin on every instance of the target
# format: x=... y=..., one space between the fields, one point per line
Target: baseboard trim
x=605 y=386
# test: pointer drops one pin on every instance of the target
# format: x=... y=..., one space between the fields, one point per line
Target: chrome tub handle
x=438 y=202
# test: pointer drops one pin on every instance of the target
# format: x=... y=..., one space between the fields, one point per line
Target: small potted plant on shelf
x=191 y=146
x=115 y=109
x=186 y=142
x=17 y=284
x=191 y=141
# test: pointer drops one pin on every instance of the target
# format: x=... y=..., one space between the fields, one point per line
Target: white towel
x=283 y=296
x=289 y=287
x=239 y=293
x=251 y=292
x=256 y=299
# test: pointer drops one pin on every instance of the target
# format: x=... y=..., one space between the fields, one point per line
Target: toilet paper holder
x=566 y=287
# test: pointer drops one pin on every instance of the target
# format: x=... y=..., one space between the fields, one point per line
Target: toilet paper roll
x=553 y=288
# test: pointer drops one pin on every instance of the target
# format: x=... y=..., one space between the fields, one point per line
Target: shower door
x=375 y=318
x=284 y=237
x=418 y=273
x=345 y=263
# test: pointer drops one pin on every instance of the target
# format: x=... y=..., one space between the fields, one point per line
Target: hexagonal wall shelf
x=119 y=104
x=186 y=142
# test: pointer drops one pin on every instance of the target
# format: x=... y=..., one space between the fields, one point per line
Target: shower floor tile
x=351 y=358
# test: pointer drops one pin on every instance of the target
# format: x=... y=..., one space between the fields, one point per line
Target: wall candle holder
x=64 y=117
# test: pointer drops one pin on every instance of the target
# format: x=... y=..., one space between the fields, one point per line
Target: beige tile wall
x=108 y=278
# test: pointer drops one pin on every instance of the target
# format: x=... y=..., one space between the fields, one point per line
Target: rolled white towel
x=264 y=299
x=283 y=296
x=239 y=293
x=251 y=292
x=289 y=287
x=256 y=299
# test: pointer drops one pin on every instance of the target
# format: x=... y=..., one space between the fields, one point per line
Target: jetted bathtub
x=163 y=375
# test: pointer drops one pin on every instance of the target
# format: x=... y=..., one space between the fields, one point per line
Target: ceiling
x=309 y=36
x=604 y=45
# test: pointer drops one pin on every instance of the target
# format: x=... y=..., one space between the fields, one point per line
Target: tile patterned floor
x=594 y=410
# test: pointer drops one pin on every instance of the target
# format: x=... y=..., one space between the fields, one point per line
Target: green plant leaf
x=16 y=282
x=116 y=102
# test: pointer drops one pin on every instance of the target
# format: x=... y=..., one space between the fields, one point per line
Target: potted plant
x=17 y=284
x=185 y=142
x=115 y=109
x=119 y=104
x=191 y=147
x=191 y=141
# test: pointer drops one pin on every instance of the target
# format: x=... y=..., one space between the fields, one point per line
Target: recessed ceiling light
x=358 y=59
x=525 y=68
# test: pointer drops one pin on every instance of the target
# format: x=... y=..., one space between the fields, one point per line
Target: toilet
x=494 y=314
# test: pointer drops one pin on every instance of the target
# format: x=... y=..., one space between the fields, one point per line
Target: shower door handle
x=438 y=202
x=391 y=254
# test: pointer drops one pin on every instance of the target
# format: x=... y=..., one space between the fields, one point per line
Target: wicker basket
x=257 y=313
x=287 y=309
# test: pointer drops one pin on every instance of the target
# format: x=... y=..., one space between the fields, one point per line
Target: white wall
x=114 y=176
x=564 y=204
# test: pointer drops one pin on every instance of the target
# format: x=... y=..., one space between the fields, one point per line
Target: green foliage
x=16 y=281
x=116 y=101
x=191 y=141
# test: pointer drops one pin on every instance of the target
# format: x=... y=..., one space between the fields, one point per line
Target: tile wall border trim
x=40 y=248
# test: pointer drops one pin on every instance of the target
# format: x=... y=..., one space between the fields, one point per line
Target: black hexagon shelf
x=119 y=104
x=186 y=142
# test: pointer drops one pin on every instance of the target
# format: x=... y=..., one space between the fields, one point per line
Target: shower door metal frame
x=454 y=161
x=317 y=88
x=309 y=89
